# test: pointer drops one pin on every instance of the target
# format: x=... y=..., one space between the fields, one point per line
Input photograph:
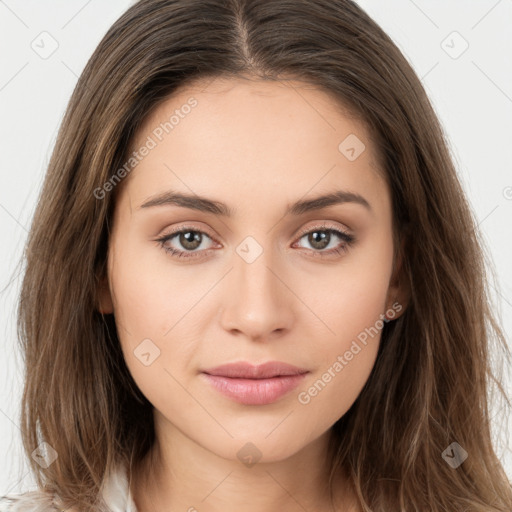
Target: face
x=248 y=267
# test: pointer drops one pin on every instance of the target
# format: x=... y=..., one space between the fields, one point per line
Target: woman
x=253 y=280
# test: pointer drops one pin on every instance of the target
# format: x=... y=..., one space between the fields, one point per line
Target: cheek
x=351 y=304
x=156 y=314
x=344 y=359
x=351 y=297
x=151 y=297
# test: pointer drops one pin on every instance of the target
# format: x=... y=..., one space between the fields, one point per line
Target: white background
x=472 y=95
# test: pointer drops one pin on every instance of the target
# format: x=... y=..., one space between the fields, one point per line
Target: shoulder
x=31 y=501
x=116 y=494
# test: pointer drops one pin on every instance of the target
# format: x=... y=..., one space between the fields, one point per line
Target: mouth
x=255 y=385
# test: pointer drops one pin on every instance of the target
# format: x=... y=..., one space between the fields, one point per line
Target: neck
x=182 y=475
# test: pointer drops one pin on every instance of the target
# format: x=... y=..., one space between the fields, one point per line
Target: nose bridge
x=259 y=302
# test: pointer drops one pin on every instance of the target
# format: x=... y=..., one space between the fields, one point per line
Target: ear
x=105 y=304
x=398 y=295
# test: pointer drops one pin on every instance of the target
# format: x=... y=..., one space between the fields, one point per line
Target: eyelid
x=187 y=227
x=324 y=225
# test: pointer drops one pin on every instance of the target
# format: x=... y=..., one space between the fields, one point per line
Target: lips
x=255 y=385
x=245 y=370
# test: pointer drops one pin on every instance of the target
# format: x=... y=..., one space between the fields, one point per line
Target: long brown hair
x=431 y=383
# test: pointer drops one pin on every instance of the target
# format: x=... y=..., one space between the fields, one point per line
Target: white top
x=116 y=493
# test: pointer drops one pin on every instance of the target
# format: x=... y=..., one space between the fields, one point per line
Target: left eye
x=320 y=239
x=192 y=239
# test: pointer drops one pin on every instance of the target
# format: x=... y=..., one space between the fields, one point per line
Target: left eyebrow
x=204 y=204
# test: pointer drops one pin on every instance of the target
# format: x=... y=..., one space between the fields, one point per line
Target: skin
x=256 y=146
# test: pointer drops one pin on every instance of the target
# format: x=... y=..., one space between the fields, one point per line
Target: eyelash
x=347 y=239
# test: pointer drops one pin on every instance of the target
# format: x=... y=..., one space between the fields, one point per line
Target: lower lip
x=255 y=391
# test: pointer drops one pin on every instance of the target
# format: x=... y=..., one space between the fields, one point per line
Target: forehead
x=259 y=140
x=268 y=107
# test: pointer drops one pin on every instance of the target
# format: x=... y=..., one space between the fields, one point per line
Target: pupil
x=324 y=239
x=190 y=240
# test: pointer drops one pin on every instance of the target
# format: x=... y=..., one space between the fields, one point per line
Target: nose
x=259 y=303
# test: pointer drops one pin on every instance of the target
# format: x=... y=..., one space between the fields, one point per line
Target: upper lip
x=245 y=370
